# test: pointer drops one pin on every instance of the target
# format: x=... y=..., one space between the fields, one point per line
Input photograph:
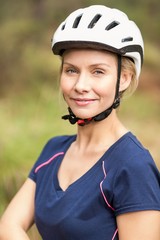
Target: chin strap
x=99 y=117
x=73 y=119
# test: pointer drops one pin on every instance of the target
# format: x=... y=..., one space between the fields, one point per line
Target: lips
x=83 y=101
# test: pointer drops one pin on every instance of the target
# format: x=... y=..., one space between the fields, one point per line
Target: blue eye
x=98 y=72
x=71 y=70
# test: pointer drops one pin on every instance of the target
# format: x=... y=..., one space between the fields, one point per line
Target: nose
x=83 y=83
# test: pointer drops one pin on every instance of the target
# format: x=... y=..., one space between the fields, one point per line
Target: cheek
x=64 y=85
x=106 y=89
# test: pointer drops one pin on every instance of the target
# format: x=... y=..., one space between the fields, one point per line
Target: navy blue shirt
x=125 y=179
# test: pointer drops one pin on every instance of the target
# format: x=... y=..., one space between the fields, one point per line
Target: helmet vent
x=76 y=22
x=127 y=39
x=63 y=27
x=112 y=25
x=94 y=21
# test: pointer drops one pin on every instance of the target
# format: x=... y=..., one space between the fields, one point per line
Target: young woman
x=100 y=183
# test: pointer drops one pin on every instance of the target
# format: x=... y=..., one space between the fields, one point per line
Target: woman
x=100 y=183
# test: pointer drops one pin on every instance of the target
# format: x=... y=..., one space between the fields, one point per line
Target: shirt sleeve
x=136 y=186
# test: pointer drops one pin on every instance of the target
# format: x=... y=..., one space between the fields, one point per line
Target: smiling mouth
x=83 y=102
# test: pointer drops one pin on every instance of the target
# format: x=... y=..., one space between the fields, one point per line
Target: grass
x=141 y=113
x=28 y=121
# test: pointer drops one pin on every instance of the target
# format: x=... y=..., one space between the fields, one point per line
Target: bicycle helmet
x=100 y=27
x=103 y=28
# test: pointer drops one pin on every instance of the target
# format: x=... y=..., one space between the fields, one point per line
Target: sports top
x=125 y=179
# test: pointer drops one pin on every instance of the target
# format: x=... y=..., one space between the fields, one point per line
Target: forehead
x=89 y=56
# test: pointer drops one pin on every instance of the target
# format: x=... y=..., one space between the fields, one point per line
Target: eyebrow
x=92 y=65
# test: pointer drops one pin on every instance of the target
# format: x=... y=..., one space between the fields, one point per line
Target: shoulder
x=127 y=152
x=58 y=140
x=135 y=162
x=135 y=156
x=58 y=143
x=54 y=147
x=133 y=179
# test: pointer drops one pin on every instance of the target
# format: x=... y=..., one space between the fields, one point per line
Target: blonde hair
x=128 y=65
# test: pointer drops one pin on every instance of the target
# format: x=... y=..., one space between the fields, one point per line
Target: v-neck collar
x=60 y=192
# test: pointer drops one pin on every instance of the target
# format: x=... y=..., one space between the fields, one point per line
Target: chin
x=84 y=116
x=86 y=113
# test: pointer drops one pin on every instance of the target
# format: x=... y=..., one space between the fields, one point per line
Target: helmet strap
x=81 y=122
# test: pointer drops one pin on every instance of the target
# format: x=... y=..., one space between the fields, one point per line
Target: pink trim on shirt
x=49 y=161
x=102 y=187
x=115 y=234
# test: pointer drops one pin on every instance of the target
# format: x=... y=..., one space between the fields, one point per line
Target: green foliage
x=145 y=13
x=28 y=122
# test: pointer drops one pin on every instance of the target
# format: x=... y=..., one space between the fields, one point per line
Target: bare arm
x=19 y=215
x=142 y=225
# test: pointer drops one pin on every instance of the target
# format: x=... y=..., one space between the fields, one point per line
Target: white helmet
x=100 y=27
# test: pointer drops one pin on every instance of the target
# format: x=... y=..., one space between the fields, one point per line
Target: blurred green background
x=30 y=103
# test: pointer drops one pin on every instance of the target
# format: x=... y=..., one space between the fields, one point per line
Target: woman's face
x=88 y=81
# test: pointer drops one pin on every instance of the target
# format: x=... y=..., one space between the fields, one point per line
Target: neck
x=103 y=133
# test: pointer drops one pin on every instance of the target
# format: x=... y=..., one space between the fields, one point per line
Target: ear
x=125 y=80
